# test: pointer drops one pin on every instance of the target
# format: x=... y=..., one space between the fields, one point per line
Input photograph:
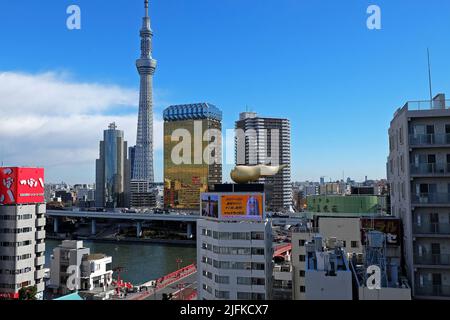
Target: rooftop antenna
x=429 y=78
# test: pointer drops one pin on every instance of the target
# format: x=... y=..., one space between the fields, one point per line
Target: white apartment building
x=234 y=260
x=22 y=248
x=94 y=269
x=418 y=172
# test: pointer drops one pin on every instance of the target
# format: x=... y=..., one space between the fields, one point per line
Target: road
x=189 y=282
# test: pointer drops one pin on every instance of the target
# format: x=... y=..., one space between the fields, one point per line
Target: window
x=244 y=296
x=207 y=274
x=258 y=281
x=302 y=273
x=354 y=244
x=258 y=266
x=244 y=281
x=402 y=163
x=302 y=289
x=257 y=235
x=207 y=288
x=222 y=294
x=301 y=258
x=258 y=251
x=222 y=279
x=301 y=243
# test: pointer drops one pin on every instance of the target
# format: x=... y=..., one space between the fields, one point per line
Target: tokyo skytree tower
x=143 y=153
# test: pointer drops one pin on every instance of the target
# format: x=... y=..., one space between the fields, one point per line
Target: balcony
x=40 y=261
x=438 y=103
x=432 y=259
x=430 y=169
x=40 y=247
x=431 y=198
x=39 y=274
x=432 y=229
x=432 y=290
x=40 y=234
x=429 y=140
x=40 y=222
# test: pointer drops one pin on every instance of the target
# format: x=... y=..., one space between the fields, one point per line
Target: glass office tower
x=112 y=170
x=191 y=170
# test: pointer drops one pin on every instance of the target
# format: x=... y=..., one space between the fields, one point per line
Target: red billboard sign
x=21 y=185
x=9 y=296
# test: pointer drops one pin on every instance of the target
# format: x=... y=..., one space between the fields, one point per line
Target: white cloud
x=48 y=120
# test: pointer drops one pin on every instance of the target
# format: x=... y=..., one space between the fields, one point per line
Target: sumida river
x=142 y=262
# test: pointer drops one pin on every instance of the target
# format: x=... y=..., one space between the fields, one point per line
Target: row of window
x=16 y=217
x=233 y=250
x=17 y=230
x=16 y=244
x=233 y=235
x=353 y=244
x=235 y=265
x=240 y=295
x=15 y=258
x=245 y=281
x=14 y=286
x=15 y=272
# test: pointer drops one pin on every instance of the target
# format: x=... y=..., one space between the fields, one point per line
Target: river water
x=142 y=262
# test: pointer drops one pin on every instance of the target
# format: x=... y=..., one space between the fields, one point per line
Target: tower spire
x=146 y=65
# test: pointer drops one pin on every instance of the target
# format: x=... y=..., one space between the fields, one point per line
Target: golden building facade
x=192 y=154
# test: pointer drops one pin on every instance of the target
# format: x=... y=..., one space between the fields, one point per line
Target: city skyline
x=63 y=128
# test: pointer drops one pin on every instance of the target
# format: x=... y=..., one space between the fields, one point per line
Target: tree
x=28 y=293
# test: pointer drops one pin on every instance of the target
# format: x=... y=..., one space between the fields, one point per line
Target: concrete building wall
x=22 y=247
x=384 y=294
x=299 y=240
x=322 y=287
x=347 y=230
x=420 y=192
x=228 y=283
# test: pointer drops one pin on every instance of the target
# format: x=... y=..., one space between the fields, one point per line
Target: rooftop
x=192 y=112
x=95 y=256
x=438 y=103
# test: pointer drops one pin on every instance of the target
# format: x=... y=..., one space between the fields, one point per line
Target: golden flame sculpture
x=246 y=174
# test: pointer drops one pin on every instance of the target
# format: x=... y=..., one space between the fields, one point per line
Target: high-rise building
x=22 y=231
x=112 y=170
x=267 y=141
x=143 y=151
x=190 y=166
x=234 y=245
x=418 y=172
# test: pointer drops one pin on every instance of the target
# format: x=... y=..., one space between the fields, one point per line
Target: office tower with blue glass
x=112 y=170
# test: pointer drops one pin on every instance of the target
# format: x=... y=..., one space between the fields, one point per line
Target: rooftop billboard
x=233 y=206
x=21 y=185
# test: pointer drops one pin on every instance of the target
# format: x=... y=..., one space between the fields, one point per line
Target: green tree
x=28 y=293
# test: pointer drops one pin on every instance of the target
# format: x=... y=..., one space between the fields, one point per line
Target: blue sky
x=314 y=62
